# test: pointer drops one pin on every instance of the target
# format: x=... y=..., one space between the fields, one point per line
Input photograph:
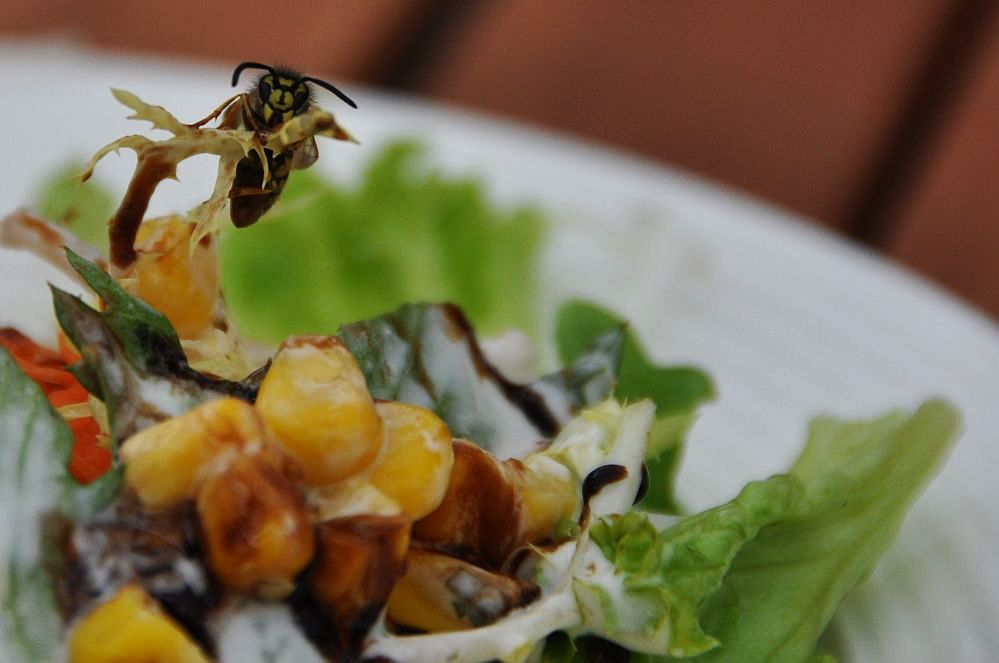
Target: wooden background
x=877 y=119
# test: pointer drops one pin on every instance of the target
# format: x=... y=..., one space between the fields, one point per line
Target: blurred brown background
x=876 y=119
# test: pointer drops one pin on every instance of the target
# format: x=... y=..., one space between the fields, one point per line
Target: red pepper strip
x=26 y=350
x=66 y=351
x=47 y=378
x=88 y=460
x=68 y=396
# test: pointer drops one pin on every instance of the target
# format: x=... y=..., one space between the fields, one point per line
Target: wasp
x=277 y=95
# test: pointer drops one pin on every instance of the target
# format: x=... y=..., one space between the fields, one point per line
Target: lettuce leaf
x=860 y=478
x=759 y=578
x=35 y=445
x=651 y=599
x=404 y=233
x=677 y=391
x=428 y=355
x=83 y=207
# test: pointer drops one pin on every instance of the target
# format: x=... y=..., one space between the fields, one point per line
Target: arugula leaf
x=677 y=391
x=131 y=357
x=428 y=355
x=335 y=253
x=147 y=337
x=35 y=446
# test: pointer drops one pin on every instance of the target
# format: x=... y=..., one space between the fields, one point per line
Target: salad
x=387 y=491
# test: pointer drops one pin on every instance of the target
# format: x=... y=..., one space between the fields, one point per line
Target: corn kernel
x=351 y=497
x=255 y=528
x=168 y=276
x=441 y=593
x=416 y=462
x=493 y=507
x=165 y=463
x=548 y=494
x=360 y=560
x=479 y=512
x=131 y=627
x=316 y=401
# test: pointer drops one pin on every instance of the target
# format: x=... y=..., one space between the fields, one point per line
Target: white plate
x=790 y=320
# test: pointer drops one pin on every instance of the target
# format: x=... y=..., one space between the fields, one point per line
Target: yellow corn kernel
x=411 y=605
x=255 y=528
x=315 y=400
x=480 y=511
x=548 y=494
x=441 y=593
x=168 y=276
x=416 y=462
x=360 y=559
x=165 y=463
x=351 y=497
x=493 y=507
x=131 y=627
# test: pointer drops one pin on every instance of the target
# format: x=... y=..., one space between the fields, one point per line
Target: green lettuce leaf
x=759 y=578
x=330 y=254
x=860 y=478
x=651 y=601
x=677 y=391
x=83 y=207
x=428 y=355
x=35 y=446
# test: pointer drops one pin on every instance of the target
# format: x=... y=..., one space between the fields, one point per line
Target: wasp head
x=281 y=93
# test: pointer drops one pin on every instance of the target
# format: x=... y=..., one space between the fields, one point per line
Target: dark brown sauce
x=596 y=481
x=601 y=477
x=643 y=487
x=527 y=400
x=149 y=172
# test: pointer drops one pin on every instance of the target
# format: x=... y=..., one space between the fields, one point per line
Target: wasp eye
x=264 y=88
x=301 y=96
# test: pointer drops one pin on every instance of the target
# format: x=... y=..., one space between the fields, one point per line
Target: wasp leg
x=218 y=111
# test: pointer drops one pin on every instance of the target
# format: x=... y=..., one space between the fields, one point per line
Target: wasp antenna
x=332 y=88
x=248 y=65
